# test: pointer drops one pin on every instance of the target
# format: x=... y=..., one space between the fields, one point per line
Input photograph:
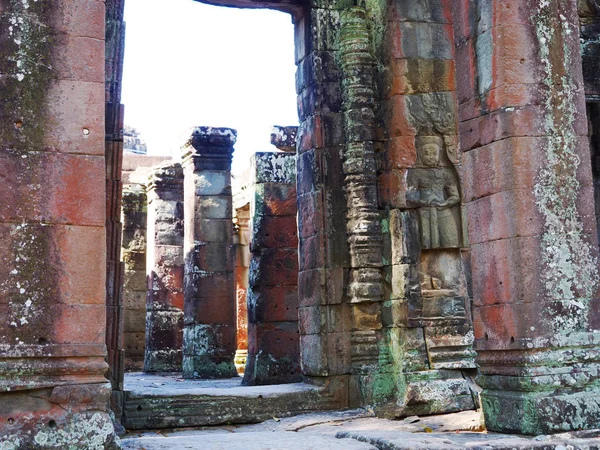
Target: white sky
x=190 y=64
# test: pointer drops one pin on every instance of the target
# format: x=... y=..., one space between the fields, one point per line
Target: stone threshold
x=163 y=401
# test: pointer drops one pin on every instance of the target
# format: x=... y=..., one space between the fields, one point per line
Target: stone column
x=528 y=185
x=133 y=255
x=164 y=303
x=210 y=319
x=53 y=387
x=273 y=339
x=242 y=264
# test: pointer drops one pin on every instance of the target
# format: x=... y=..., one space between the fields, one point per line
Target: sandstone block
x=274 y=232
x=273 y=304
x=275 y=267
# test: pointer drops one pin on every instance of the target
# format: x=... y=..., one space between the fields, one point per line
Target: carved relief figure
x=434 y=190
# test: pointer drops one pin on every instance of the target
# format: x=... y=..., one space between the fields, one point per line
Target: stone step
x=167 y=401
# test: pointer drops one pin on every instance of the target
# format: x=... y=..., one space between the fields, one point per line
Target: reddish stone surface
x=242 y=265
x=510 y=112
x=54 y=249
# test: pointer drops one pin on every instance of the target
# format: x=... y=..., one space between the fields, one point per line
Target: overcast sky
x=189 y=64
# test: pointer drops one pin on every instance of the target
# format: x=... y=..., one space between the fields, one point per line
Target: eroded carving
x=434 y=190
x=588 y=8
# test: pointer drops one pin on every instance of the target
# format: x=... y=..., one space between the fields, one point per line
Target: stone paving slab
x=390 y=440
x=171 y=384
x=280 y=440
x=358 y=429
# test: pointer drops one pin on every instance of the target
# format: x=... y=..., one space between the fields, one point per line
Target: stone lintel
x=284 y=138
x=270 y=167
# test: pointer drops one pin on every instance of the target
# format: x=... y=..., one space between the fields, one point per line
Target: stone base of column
x=208 y=367
x=540 y=391
x=240 y=361
x=164 y=334
x=201 y=345
x=163 y=360
x=438 y=392
x=60 y=417
x=537 y=413
x=263 y=369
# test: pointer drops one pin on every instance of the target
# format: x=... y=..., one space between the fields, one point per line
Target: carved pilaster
x=363 y=226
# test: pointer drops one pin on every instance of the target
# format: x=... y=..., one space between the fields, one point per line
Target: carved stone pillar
x=133 y=255
x=164 y=303
x=273 y=352
x=209 y=341
x=529 y=196
x=242 y=265
x=363 y=227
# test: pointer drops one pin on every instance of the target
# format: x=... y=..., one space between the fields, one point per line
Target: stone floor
x=172 y=384
x=355 y=430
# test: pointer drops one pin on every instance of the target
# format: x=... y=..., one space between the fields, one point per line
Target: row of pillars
x=200 y=264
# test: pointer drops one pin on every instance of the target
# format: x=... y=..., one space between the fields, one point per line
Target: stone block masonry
x=209 y=340
x=273 y=336
x=165 y=269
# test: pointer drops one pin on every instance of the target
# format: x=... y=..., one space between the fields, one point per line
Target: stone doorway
x=122 y=332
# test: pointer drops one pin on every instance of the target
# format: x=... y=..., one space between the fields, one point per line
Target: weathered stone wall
x=384 y=262
x=529 y=195
x=52 y=226
x=273 y=339
x=133 y=254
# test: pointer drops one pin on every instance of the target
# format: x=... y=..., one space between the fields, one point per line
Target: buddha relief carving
x=434 y=191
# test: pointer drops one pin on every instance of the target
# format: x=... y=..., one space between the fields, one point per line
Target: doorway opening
x=152 y=327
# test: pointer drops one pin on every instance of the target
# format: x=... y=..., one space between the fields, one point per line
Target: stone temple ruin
x=430 y=246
